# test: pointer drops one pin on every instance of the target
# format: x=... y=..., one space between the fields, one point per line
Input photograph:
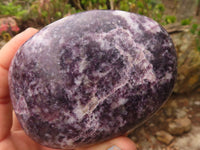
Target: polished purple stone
x=91 y=77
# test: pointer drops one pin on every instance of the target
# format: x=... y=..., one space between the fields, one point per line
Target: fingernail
x=114 y=148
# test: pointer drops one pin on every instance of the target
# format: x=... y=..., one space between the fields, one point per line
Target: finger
x=5 y=105
x=120 y=143
x=3 y=83
x=6 y=55
x=5 y=120
x=15 y=125
x=9 y=50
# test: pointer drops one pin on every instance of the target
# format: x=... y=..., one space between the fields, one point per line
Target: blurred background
x=177 y=125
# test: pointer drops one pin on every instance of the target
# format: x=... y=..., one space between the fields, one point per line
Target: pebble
x=197 y=103
x=180 y=113
x=180 y=126
x=164 y=137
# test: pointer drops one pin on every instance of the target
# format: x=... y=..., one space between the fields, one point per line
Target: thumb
x=119 y=143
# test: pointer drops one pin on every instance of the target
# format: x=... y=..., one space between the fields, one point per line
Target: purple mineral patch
x=91 y=77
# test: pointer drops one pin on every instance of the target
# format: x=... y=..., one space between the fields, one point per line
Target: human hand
x=12 y=136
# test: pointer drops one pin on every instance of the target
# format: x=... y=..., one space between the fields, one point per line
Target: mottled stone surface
x=90 y=77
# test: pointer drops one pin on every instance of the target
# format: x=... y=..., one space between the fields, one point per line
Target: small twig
x=176 y=27
x=78 y=4
x=112 y=4
x=198 y=9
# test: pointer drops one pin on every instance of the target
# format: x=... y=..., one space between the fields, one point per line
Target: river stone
x=91 y=77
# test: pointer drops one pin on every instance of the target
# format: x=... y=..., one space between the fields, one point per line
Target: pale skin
x=12 y=136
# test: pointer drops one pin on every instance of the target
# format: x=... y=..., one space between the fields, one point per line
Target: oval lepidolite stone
x=91 y=77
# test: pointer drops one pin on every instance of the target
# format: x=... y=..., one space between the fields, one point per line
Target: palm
x=18 y=140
